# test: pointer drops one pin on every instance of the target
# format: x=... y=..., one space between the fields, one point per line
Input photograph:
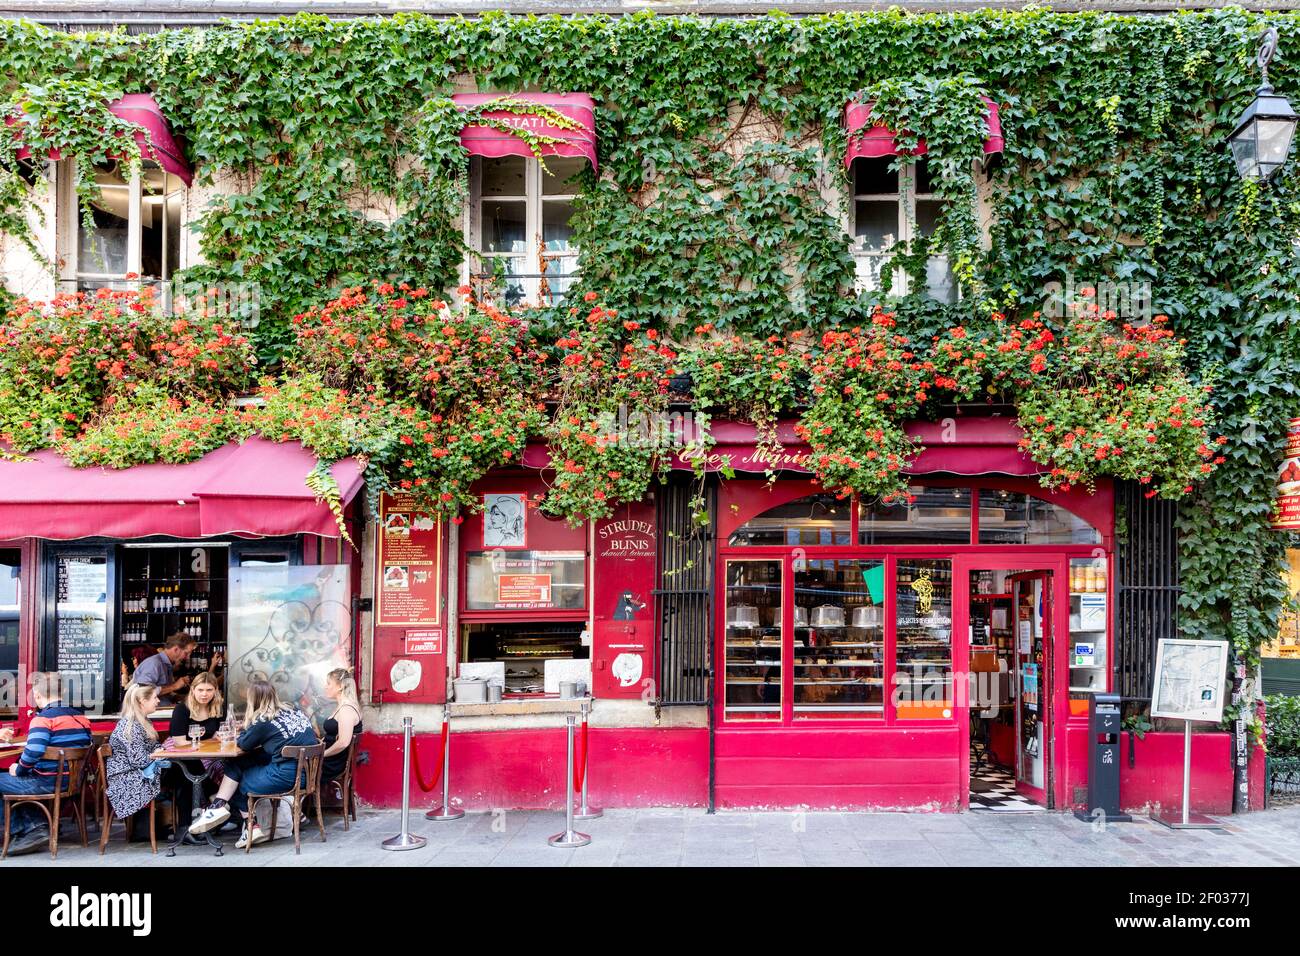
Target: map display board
x=1189 y=680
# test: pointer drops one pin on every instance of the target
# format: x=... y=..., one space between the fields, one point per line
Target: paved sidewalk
x=693 y=838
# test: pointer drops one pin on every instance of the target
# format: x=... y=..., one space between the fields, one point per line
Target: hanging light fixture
x=1262 y=139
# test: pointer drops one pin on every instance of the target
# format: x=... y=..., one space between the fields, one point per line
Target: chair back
x=309 y=757
x=71 y=768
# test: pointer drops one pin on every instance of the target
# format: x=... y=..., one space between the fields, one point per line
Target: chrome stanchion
x=570 y=837
x=405 y=840
x=446 y=811
x=585 y=811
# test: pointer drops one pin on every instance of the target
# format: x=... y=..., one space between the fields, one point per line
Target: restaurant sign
x=1286 y=511
x=409 y=564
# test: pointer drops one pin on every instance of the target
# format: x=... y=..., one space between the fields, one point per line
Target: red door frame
x=1058 y=708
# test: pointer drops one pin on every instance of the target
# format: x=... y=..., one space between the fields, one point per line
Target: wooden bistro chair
x=93 y=790
x=348 y=786
x=67 y=793
x=105 y=809
x=308 y=769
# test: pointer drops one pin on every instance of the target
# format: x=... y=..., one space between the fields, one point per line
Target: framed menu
x=1189 y=680
x=80 y=649
x=408 y=545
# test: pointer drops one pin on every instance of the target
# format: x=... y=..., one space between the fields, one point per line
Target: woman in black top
x=202 y=705
x=343 y=725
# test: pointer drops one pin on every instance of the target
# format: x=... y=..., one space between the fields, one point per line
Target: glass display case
x=839 y=638
x=1088 y=616
x=753 y=640
x=923 y=642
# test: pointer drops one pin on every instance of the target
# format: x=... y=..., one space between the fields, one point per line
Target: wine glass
x=196 y=734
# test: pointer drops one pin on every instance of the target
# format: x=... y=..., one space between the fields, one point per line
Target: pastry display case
x=839 y=638
x=753 y=640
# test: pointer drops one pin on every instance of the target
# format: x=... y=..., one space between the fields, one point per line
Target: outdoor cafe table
x=189 y=758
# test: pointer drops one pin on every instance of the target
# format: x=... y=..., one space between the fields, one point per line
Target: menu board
x=408 y=548
x=1286 y=508
x=81 y=651
x=1189 y=679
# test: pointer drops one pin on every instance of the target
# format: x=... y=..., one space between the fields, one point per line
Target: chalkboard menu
x=81 y=651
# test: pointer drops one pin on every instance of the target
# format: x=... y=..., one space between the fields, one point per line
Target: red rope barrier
x=580 y=765
x=415 y=760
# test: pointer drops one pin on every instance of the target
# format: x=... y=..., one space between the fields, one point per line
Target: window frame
x=905 y=200
x=534 y=199
x=69 y=237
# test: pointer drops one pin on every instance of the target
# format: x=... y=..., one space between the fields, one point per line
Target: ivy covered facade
x=716 y=232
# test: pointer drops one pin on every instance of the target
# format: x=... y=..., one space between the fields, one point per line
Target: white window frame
x=69 y=215
x=905 y=200
x=534 y=245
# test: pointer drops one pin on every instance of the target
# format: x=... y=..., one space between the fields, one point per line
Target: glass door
x=1031 y=607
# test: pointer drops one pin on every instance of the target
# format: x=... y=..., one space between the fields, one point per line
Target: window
x=839 y=638
x=1010 y=517
x=815 y=519
x=136 y=226
x=519 y=227
x=753 y=640
x=891 y=206
x=525 y=580
x=937 y=516
x=923 y=675
x=10 y=608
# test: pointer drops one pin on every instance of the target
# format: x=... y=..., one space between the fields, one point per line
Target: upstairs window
x=520 y=228
x=892 y=206
x=137 y=223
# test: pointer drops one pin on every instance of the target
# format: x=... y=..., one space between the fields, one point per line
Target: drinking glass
x=196 y=734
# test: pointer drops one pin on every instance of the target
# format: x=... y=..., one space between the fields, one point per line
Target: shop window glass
x=10 y=607
x=820 y=519
x=753 y=640
x=78 y=646
x=1089 y=612
x=936 y=516
x=501 y=580
x=923 y=678
x=839 y=638
x=136 y=228
x=1011 y=517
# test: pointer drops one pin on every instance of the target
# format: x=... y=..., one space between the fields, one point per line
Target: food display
x=839 y=655
x=753 y=640
x=923 y=641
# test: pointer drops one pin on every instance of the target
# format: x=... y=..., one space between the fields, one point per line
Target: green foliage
x=1115 y=168
x=1282 y=720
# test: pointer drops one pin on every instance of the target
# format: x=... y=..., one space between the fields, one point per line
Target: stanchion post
x=570 y=837
x=405 y=840
x=446 y=812
x=585 y=811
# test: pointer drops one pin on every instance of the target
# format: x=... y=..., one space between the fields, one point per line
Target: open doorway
x=1010 y=626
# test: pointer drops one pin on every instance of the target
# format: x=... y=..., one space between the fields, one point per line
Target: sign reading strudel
x=408 y=559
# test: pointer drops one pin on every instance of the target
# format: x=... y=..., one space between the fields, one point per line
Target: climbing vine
x=721 y=196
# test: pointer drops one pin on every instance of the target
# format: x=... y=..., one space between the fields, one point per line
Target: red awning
x=154 y=135
x=493 y=142
x=257 y=488
x=876 y=141
x=979 y=445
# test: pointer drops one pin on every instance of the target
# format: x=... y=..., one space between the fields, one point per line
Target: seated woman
x=343 y=725
x=132 y=778
x=269 y=727
x=203 y=705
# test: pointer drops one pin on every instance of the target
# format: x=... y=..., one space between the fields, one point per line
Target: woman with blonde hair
x=132 y=775
x=269 y=727
x=339 y=730
x=203 y=705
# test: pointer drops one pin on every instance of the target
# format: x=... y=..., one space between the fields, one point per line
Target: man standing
x=157 y=671
x=54 y=725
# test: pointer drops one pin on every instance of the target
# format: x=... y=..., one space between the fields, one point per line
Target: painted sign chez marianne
x=745 y=458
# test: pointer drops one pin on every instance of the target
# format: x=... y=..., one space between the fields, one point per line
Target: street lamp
x=1262 y=139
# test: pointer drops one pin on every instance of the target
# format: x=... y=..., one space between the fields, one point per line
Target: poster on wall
x=408 y=548
x=505 y=521
x=289 y=625
x=1189 y=679
x=1286 y=509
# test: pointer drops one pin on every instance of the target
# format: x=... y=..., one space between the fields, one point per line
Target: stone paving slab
x=691 y=837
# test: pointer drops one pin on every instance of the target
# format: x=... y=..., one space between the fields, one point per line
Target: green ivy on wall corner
x=721 y=150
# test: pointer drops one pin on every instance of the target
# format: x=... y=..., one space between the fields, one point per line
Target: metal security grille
x=1146 y=586
x=684 y=598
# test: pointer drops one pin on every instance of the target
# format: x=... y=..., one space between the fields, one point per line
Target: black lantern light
x=1262 y=139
